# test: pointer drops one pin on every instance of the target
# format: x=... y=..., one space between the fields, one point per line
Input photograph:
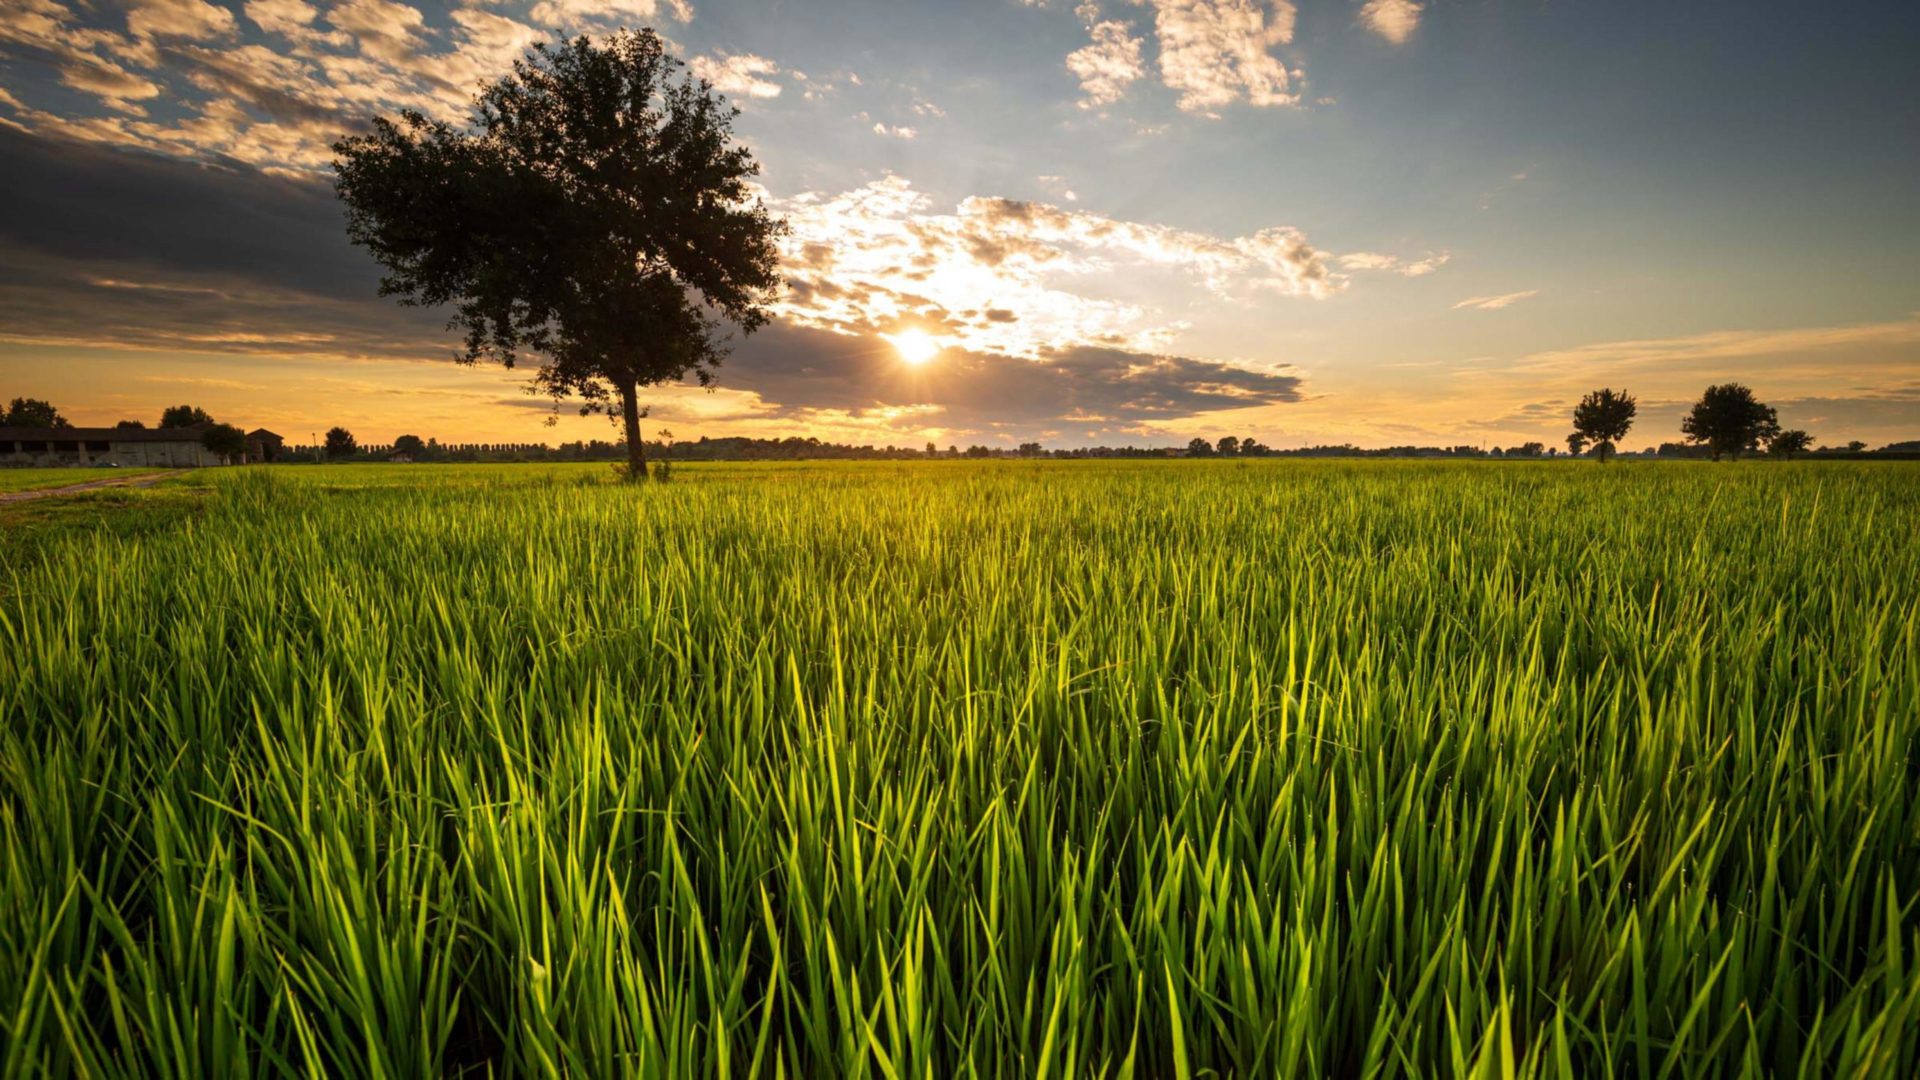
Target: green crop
x=998 y=769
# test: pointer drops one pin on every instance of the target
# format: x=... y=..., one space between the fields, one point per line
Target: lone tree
x=1604 y=418
x=226 y=440
x=595 y=211
x=1790 y=442
x=340 y=444
x=180 y=416
x=411 y=445
x=1728 y=419
x=32 y=412
x=1576 y=444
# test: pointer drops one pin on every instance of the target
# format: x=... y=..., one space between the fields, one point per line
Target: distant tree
x=32 y=412
x=130 y=425
x=1252 y=447
x=340 y=444
x=1728 y=419
x=1030 y=449
x=411 y=445
x=180 y=416
x=1199 y=448
x=1227 y=446
x=1856 y=446
x=977 y=451
x=1603 y=418
x=1576 y=444
x=1790 y=442
x=932 y=450
x=1532 y=449
x=595 y=211
x=226 y=440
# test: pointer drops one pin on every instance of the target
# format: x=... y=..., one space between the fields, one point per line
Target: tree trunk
x=636 y=451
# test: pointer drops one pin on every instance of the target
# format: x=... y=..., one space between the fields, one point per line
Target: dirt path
x=91 y=485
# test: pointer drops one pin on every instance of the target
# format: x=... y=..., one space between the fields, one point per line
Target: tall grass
x=1146 y=770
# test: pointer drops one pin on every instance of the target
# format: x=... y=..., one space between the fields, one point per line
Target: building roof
x=102 y=434
x=263 y=433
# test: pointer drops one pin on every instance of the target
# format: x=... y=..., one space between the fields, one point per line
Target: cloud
x=1218 y=52
x=1107 y=67
x=881 y=258
x=1899 y=338
x=192 y=19
x=1395 y=20
x=739 y=74
x=568 y=13
x=1495 y=303
x=896 y=132
x=801 y=372
x=1393 y=264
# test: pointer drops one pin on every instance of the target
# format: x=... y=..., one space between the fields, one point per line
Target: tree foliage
x=340 y=444
x=1728 y=419
x=411 y=445
x=1790 y=442
x=1603 y=418
x=226 y=440
x=32 y=412
x=595 y=211
x=180 y=416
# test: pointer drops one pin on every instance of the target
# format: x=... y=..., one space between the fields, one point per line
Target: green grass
x=12 y=480
x=1065 y=770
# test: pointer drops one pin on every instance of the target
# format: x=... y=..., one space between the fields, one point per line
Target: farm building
x=164 y=447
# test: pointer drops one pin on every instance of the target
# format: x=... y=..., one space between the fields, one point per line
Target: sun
x=916 y=347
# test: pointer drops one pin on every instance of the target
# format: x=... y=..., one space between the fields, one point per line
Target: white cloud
x=1393 y=264
x=568 y=13
x=195 y=19
x=1107 y=67
x=1218 y=52
x=1395 y=20
x=739 y=74
x=1495 y=303
x=1015 y=277
x=896 y=132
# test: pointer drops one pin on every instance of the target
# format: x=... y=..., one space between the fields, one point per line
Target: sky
x=1376 y=222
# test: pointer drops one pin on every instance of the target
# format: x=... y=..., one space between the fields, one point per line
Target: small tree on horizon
x=1790 y=442
x=1199 y=447
x=1729 y=419
x=595 y=211
x=1603 y=418
x=411 y=445
x=340 y=444
x=130 y=425
x=1576 y=444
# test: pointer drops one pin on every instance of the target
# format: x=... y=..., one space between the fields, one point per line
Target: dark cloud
x=126 y=208
x=802 y=369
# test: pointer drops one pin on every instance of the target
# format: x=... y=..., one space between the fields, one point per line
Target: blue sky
x=1323 y=221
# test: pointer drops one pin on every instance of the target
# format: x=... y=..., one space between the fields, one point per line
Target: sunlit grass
x=33 y=479
x=1002 y=768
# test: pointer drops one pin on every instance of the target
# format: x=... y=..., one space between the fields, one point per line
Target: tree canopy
x=595 y=211
x=226 y=440
x=1729 y=419
x=340 y=444
x=1603 y=418
x=179 y=416
x=32 y=412
x=1790 y=442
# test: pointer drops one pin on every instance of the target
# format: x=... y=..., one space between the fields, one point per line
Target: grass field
x=998 y=769
x=12 y=480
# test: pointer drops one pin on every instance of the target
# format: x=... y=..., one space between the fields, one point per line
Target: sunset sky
x=1122 y=221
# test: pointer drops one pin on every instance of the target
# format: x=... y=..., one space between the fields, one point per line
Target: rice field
x=1079 y=769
